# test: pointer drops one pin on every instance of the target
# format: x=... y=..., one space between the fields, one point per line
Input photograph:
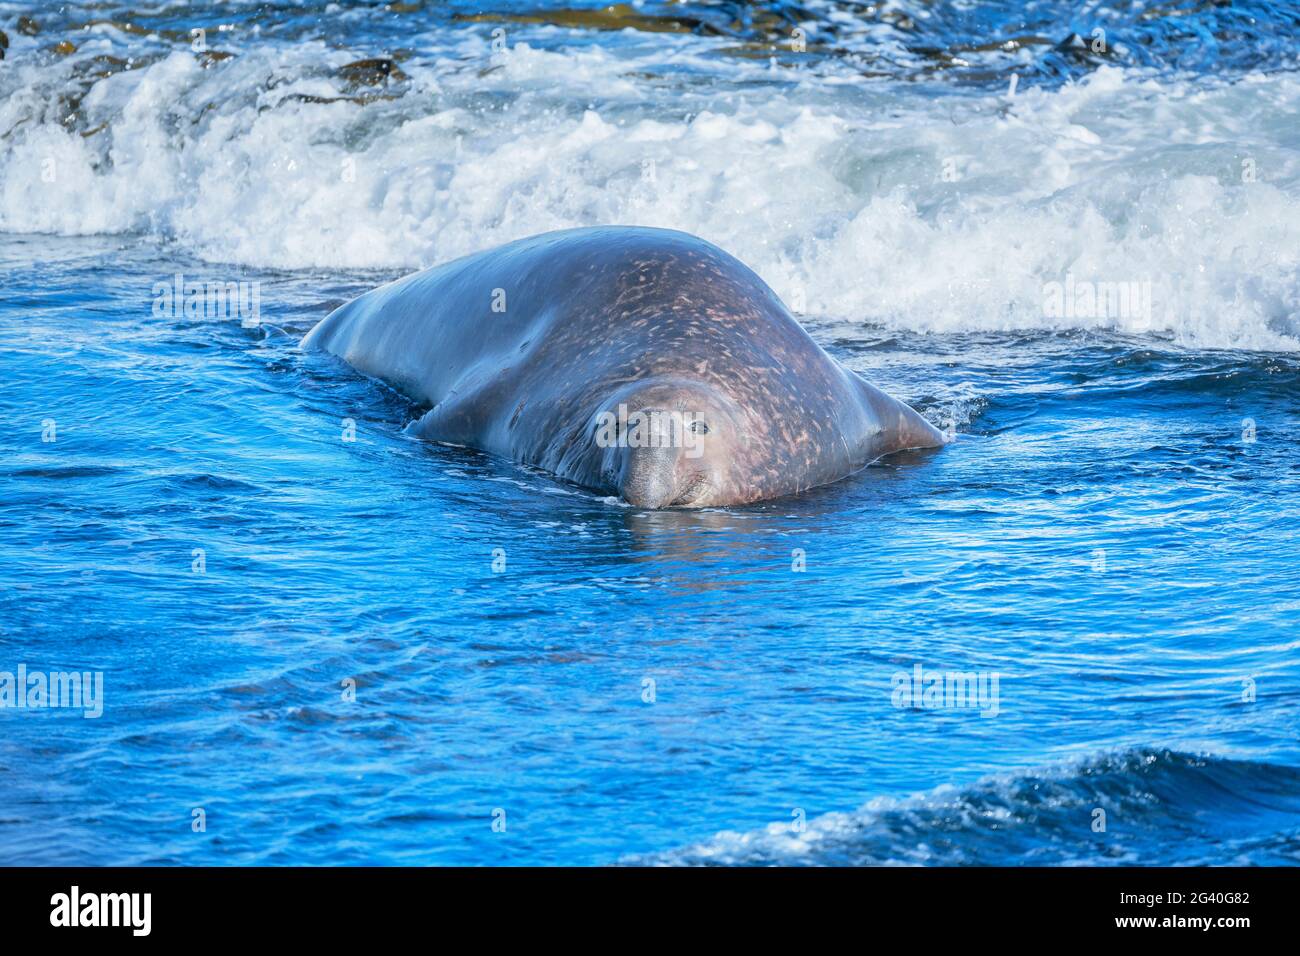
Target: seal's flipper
x=901 y=425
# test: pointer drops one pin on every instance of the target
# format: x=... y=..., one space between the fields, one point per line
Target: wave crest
x=1160 y=807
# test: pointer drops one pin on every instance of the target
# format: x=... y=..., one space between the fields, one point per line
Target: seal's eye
x=699 y=428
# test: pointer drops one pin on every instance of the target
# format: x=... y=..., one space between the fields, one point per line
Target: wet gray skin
x=643 y=363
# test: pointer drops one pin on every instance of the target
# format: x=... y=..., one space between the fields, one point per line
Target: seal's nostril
x=647 y=495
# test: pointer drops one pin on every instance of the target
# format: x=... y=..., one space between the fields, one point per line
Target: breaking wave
x=1158 y=807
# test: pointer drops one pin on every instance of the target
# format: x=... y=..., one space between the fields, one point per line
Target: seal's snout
x=648 y=477
x=662 y=443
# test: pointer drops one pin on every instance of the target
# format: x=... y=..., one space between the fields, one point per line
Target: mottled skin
x=651 y=318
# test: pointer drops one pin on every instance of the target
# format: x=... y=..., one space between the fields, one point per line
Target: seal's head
x=676 y=441
x=670 y=443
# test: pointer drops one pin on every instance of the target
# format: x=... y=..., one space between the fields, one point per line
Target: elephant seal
x=645 y=363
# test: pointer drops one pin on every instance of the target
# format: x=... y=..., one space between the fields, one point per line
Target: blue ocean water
x=345 y=646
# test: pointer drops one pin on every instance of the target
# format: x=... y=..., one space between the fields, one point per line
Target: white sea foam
x=952 y=826
x=854 y=199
